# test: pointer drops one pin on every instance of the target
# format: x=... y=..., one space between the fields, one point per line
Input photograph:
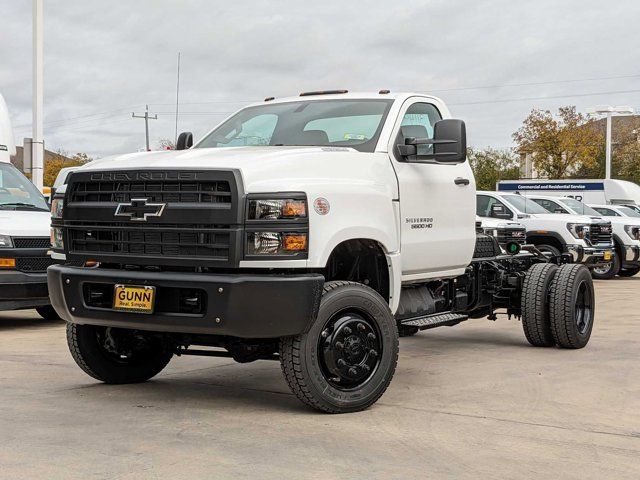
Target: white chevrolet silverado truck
x=313 y=230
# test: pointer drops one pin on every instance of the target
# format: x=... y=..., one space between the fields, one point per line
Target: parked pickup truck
x=626 y=224
x=587 y=239
x=314 y=230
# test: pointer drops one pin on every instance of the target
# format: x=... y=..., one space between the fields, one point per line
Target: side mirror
x=499 y=211
x=185 y=140
x=449 y=144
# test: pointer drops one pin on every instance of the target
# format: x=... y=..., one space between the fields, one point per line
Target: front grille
x=181 y=191
x=506 y=235
x=600 y=234
x=206 y=242
x=33 y=264
x=31 y=242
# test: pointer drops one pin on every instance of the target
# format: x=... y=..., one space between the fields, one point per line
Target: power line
x=549 y=97
x=529 y=84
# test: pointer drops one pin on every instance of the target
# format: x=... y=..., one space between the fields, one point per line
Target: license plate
x=132 y=298
x=607 y=255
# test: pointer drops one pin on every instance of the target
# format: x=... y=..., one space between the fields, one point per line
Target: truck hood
x=564 y=217
x=25 y=224
x=262 y=168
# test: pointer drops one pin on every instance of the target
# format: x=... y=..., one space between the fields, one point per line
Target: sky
x=491 y=61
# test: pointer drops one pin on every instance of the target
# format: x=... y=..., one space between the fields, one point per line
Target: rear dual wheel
x=558 y=305
x=346 y=360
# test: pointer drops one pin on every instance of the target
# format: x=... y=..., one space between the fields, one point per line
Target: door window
x=607 y=212
x=553 y=207
x=418 y=122
x=485 y=203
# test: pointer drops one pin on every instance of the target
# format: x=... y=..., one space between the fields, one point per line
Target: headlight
x=56 y=238
x=5 y=241
x=633 y=231
x=276 y=243
x=491 y=231
x=277 y=209
x=56 y=207
x=578 y=230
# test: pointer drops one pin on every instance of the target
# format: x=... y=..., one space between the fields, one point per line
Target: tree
x=166 y=144
x=60 y=160
x=560 y=146
x=491 y=165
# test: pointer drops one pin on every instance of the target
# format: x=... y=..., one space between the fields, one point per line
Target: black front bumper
x=239 y=305
x=22 y=290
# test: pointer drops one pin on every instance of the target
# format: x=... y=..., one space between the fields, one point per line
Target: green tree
x=560 y=145
x=491 y=165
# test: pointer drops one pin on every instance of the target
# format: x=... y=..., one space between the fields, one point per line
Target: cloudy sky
x=492 y=61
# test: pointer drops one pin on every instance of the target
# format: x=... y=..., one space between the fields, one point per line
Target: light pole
x=608 y=111
x=37 y=145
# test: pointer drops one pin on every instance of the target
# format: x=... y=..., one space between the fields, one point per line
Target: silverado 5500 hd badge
x=420 y=222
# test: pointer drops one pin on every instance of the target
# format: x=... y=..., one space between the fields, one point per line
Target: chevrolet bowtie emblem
x=139 y=210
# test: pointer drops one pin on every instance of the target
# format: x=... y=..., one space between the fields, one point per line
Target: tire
x=87 y=346
x=549 y=250
x=319 y=371
x=48 y=313
x=572 y=306
x=535 y=304
x=629 y=272
x=609 y=271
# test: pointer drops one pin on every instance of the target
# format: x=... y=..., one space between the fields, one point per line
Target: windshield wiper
x=25 y=205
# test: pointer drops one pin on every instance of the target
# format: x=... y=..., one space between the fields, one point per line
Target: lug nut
x=353 y=372
x=341 y=362
x=347 y=331
x=361 y=327
x=366 y=368
x=339 y=345
x=371 y=336
x=373 y=353
x=325 y=333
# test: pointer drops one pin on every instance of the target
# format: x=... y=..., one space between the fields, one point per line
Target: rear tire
x=48 y=313
x=535 y=304
x=609 y=271
x=572 y=306
x=629 y=272
x=346 y=360
x=116 y=356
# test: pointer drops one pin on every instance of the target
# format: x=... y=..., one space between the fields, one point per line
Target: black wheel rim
x=584 y=307
x=121 y=346
x=349 y=350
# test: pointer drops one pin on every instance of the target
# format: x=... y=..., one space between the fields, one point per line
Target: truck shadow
x=8 y=322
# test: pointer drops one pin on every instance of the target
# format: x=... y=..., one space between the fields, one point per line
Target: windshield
x=579 y=207
x=629 y=212
x=17 y=192
x=524 y=205
x=342 y=123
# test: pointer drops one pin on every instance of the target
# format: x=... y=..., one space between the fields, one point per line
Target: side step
x=435 y=320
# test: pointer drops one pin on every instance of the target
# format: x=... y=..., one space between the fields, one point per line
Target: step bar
x=425 y=322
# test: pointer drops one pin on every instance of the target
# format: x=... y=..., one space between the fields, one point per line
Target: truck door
x=437 y=202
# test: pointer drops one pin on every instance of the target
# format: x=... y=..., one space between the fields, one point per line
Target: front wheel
x=608 y=270
x=114 y=355
x=346 y=360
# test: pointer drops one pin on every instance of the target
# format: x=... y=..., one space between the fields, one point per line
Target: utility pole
x=146 y=117
x=37 y=145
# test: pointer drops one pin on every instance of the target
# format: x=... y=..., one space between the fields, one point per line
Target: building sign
x=550 y=186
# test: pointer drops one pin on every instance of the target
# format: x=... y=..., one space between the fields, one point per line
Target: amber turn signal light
x=7 y=263
x=294 y=208
x=295 y=242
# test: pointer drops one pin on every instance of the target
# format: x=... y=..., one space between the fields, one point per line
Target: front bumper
x=239 y=305
x=590 y=256
x=22 y=290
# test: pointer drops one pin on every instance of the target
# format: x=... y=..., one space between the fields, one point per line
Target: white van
x=598 y=191
x=24 y=233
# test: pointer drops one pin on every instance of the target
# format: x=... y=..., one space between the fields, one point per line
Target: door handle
x=461 y=181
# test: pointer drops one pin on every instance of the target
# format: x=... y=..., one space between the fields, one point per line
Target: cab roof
x=345 y=95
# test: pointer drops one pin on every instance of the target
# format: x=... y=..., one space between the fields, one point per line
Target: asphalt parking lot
x=473 y=401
